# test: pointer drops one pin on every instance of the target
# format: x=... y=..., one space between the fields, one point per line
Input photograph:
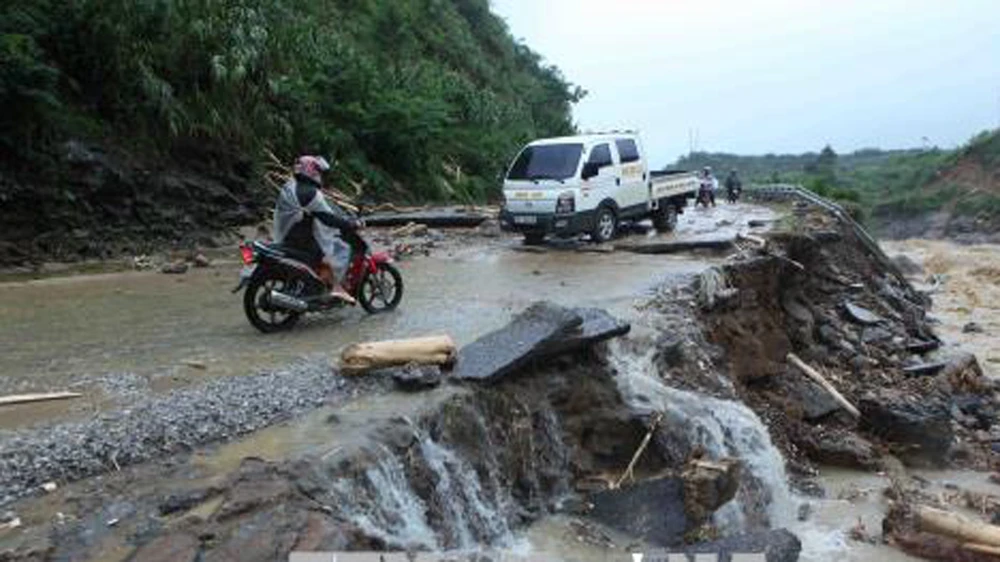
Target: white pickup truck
x=589 y=184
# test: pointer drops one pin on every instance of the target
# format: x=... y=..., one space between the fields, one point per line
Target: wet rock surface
x=921 y=426
x=652 y=510
x=779 y=545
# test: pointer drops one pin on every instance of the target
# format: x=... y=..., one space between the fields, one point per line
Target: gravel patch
x=167 y=424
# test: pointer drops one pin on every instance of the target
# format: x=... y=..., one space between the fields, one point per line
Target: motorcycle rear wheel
x=256 y=305
x=381 y=291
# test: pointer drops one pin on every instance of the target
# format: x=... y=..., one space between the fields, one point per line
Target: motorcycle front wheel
x=382 y=290
x=257 y=303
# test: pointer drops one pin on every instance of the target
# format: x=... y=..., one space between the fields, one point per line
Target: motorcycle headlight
x=566 y=203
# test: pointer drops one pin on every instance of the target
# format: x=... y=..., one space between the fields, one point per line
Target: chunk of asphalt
x=505 y=350
x=597 y=326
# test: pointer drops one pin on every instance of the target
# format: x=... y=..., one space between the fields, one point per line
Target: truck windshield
x=546 y=162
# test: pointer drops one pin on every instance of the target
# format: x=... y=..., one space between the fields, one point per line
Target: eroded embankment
x=867 y=334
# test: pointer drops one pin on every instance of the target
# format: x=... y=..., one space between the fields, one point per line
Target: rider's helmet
x=311 y=168
x=707 y=170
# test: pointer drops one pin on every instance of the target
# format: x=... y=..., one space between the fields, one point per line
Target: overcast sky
x=754 y=76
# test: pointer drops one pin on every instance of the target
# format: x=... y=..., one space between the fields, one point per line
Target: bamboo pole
x=819 y=379
x=36 y=397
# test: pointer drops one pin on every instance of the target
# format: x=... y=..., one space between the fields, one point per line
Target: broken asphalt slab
x=437 y=218
x=542 y=330
x=676 y=246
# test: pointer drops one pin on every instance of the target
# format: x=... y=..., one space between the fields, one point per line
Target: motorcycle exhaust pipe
x=281 y=300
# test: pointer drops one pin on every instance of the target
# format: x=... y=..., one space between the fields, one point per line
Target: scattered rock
x=201 y=260
x=49 y=487
x=972 y=328
x=417 y=377
x=174 y=268
x=860 y=314
x=919 y=425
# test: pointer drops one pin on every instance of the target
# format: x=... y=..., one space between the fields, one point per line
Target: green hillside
x=417 y=99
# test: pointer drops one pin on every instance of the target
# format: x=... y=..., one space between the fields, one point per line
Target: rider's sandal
x=343 y=296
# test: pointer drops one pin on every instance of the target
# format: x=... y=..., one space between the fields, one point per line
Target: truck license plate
x=525 y=219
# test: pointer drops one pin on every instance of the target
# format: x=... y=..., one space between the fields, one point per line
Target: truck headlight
x=566 y=203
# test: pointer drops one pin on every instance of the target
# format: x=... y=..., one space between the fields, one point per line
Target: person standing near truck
x=709 y=185
x=733 y=186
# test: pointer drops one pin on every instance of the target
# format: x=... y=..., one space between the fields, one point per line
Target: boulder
x=778 y=545
x=651 y=510
x=815 y=401
x=920 y=426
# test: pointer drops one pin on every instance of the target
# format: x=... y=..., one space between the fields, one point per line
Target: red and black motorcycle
x=282 y=283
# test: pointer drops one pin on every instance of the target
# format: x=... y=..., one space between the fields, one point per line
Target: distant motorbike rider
x=303 y=219
x=709 y=185
x=733 y=186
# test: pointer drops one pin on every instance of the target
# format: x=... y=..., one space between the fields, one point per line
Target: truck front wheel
x=665 y=218
x=605 y=225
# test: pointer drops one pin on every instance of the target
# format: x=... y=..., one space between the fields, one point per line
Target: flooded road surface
x=139 y=332
x=965 y=285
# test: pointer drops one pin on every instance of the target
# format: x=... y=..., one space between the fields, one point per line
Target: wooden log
x=36 y=397
x=982 y=548
x=363 y=357
x=819 y=379
x=949 y=524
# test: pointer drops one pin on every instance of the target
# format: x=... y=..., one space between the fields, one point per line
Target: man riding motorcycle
x=303 y=219
x=733 y=186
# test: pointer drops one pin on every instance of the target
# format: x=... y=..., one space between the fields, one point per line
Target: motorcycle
x=281 y=283
x=733 y=194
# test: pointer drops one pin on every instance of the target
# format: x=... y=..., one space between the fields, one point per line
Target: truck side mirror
x=590 y=169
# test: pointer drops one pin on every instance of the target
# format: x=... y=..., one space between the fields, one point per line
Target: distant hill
x=953 y=194
x=764 y=167
x=901 y=193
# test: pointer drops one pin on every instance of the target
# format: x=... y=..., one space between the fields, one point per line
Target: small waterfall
x=384 y=504
x=457 y=514
x=472 y=516
x=723 y=428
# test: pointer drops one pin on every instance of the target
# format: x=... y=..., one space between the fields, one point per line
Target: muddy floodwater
x=964 y=283
x=108 y=335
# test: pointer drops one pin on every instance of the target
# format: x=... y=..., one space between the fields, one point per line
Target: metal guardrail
x=790 y=191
